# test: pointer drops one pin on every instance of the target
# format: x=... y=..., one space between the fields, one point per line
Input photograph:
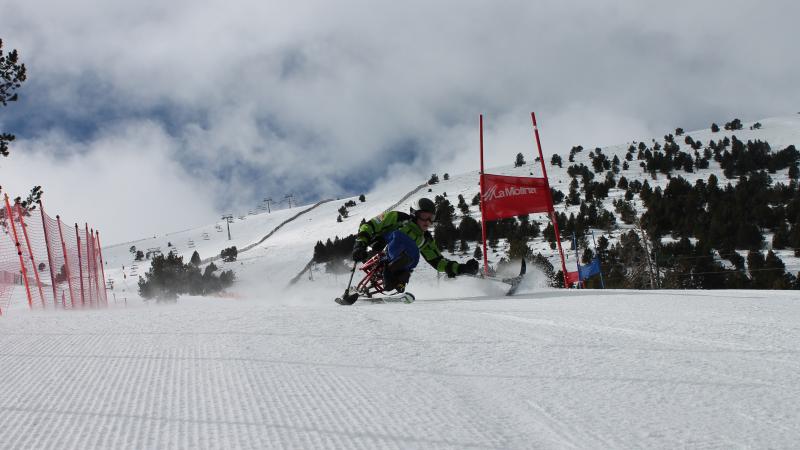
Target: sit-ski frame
x=373 y=282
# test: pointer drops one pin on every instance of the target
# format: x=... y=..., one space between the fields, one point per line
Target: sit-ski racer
x=405 y=237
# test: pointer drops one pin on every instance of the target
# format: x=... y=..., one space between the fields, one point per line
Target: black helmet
x=423 y=205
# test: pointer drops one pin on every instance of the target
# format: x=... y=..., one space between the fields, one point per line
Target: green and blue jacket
x=373 y=230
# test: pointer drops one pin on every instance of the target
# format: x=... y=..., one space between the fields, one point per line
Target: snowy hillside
x=270 y=263
x=462 y=367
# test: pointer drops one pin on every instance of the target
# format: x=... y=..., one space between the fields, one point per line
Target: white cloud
x=124 y=184
x=266 y=98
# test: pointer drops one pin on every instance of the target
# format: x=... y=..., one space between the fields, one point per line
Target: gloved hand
x=470 y=268
x=360 y=252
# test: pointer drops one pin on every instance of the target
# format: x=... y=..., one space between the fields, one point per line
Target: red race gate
x=506 y=196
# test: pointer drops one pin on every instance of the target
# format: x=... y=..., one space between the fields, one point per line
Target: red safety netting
x=10 y=277
x=56 y=265
x=34 y=256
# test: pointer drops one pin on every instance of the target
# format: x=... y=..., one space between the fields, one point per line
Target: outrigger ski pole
x=347 y=298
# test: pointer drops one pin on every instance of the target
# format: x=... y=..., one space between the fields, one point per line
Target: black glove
x=471 y=267
x=360 y=252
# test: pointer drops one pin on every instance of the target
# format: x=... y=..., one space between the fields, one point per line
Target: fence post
x=80 y=264
x=102 y=268
x=92 y=265
x=49 y=255
x=88 y=263
x=30 y=253
x=66 y=264
x=98 y=296
x=10 y=216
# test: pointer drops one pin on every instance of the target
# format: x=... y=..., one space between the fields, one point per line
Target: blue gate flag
x=589 y=270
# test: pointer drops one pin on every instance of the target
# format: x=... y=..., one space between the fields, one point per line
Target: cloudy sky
x=149 y=116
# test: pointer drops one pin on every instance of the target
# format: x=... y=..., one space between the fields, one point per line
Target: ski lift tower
x=228 y=218
x=290 y=197
x=268 y=201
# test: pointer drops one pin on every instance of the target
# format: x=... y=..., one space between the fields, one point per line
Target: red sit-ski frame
x=372 y=283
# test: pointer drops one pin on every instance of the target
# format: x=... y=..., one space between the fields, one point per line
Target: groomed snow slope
x=551 y=369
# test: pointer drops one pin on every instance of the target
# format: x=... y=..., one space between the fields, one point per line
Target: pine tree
x=780 y=240
x=12 y=75
x=794 y=172
x=320 y=253
x=557 y=196
x=165 y=278
x=462 y=205
x=469 y=229
x=735 y=124
x=549 y=233
x=776 y=272
x=226 y=278
x=229 y=254
x=755 y=266
x=195 y=261
x=518 y=247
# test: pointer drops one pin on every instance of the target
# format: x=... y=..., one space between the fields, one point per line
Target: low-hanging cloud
x=254 y=99
x=121 y=180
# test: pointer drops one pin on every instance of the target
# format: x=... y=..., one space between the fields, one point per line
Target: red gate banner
x=504 y=196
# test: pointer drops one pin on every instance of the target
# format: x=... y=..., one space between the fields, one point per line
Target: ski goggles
x=425 y=218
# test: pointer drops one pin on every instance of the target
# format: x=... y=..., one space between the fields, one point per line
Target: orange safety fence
x=48 y=263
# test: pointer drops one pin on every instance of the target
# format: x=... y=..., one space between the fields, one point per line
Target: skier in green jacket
x=405 y=237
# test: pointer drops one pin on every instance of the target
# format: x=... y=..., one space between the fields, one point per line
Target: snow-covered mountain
x=462 y=367
x=272 y=258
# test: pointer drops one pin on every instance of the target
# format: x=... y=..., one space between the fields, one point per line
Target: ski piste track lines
x=499 y=373
x=664 y=383
x=172 y=402
x=503 y=406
